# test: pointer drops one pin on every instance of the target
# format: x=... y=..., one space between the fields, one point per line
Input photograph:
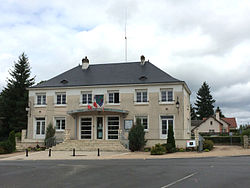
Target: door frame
x=160 y=125
x=103 y=127
x=80 y=129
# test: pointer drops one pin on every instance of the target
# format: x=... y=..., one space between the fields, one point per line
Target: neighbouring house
x=99 y=103
x=214 y=124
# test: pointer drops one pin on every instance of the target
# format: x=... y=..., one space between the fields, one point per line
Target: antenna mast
x=126 y=58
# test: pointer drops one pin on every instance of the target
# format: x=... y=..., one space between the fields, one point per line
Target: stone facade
x=153 y=110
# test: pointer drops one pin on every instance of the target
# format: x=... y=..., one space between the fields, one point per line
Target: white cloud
x=194 y=41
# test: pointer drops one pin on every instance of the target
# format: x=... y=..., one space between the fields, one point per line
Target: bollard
x=49 y=152
x=98 y=152
x=74 y=152
x=27 y=152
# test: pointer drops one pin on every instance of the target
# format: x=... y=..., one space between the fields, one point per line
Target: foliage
x=147 y=149
x=208 y=144
x=9 y=145
x=219 y=110
x=170 y=140
x=246 y=132
x=204 y=102
x=193 y=112
x=206 y=150
x=236 y=140
x=18 y=135
x=136 y=137
x=14 y=97
x=158 y=149
x=49 y=136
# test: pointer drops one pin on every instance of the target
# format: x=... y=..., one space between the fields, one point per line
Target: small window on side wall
x=166 y=95
x=41 y=99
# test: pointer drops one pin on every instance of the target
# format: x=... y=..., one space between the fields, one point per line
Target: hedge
x=236 y=140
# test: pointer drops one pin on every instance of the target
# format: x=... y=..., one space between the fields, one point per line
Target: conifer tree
x=193 y=112
x=204 y=102
x=14 y=97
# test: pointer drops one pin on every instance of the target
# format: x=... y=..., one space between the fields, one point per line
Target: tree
x=170 y=140
x=50 y=136
x=204 y=102
x=193 y=112
x=14 y=98
x=219 y=110
x=136 y=137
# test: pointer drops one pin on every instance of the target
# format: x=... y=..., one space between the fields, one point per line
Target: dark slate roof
x=110 y=74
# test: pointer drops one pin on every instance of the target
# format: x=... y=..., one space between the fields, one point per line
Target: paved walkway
x=218 y=151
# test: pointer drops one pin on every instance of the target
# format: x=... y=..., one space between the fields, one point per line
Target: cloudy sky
x=194 y=41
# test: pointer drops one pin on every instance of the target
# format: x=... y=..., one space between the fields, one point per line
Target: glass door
x=86 y=128
x=166 y=121
x=99 y=127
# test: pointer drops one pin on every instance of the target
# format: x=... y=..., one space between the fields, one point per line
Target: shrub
x=136 y=137
x=208 y=144
x=49 y=137
x=170 y=140
x=181 y=150
x=246 y=132
x=9 y=145
x=236 y=140
x=206 y=150
x=147 y=149
x=158 y=149
x=18 y=135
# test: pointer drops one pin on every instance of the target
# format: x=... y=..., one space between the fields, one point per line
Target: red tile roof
x=231 y=121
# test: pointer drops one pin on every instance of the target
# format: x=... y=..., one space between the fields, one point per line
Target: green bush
x=158 y=149
x=180 y=149
x=147 y=149
x=170 y=146
x=236 y=140
x=246 y=132
x=208 y=144
x=206 y=150
x=136 y=137
x=18 y=135
x=9 y=145
x=49 y=137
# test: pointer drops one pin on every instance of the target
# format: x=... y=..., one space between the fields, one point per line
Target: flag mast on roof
x=126 y=35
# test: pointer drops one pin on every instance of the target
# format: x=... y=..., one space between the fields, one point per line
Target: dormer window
x=64 y=81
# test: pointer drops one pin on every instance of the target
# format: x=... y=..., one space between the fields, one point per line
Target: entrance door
x=99 y=127
x=166 y=121
x=86 y=128
x=40 y=128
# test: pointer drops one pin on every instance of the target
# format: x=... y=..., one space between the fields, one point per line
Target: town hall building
x=99 y=103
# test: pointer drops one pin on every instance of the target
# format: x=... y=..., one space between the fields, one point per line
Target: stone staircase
x=90 y=145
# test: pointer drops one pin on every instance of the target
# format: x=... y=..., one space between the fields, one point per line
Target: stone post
x=196 y=137
x=23 y=136
x=245 y=141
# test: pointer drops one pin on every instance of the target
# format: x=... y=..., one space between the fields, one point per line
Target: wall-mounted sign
x=191 y=143
x=128 y=124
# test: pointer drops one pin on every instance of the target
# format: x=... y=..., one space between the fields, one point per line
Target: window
x=41 y=99
x=87 y=98
x=113 y=97
x=60 y=124
x=166 y=95
x=211 y=122
x=113 y=127
x=143 y=120
x=61 y=98
x=40 y=126
x=141 y=96
x=166 y=121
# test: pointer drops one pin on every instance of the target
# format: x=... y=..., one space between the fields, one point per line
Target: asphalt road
x=158 y=173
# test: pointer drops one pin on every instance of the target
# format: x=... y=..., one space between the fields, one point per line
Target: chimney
x=217 y=115
x=142 y=60
x=85 y=63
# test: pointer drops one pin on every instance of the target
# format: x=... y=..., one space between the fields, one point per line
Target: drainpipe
x=76 y=127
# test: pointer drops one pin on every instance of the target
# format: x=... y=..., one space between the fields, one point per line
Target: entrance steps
x=90 y=145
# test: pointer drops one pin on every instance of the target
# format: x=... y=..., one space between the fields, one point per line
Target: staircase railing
x=123 y=140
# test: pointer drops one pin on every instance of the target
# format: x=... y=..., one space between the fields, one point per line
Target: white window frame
x=113 y=93
x=60 y=119
x=141 y=117
x=39 y=136
x=107 y=138
x=167 y=101
x=86 y=93
x=43 y=99
x=160 y=125
x=92 y=135
x=141 y=91
x=60 y=93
